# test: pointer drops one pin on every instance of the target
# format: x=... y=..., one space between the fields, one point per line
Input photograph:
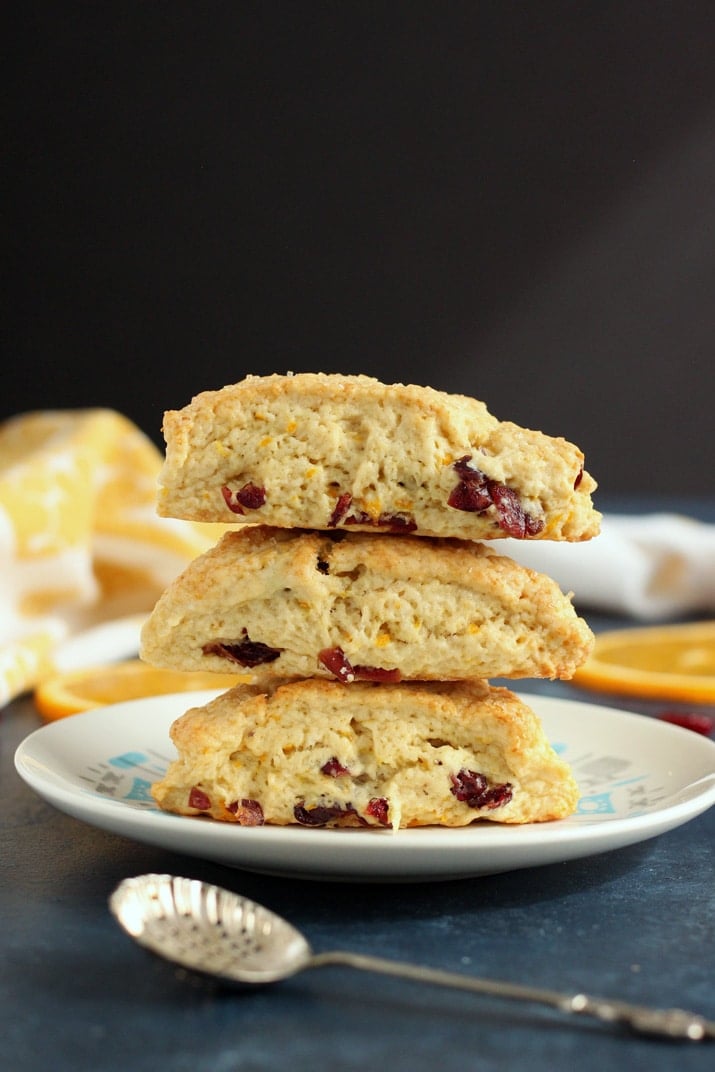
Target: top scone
x=318 y=451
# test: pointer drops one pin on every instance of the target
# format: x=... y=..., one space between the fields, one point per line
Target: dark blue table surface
x=76 y=993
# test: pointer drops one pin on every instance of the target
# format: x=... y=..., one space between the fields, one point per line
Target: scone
x=364 y=606
x=324 y=451
x=377 y=755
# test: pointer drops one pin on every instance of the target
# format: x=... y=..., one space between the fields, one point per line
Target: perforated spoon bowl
x=223 y=935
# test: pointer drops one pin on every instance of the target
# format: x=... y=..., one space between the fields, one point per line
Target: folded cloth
x=648 y=567
x=80 y=540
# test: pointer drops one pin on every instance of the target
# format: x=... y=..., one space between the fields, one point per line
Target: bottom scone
x=319 y=753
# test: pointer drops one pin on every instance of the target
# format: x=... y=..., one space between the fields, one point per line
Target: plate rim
x=585 y=836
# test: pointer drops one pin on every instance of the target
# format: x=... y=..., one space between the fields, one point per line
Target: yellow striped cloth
x=80 y=540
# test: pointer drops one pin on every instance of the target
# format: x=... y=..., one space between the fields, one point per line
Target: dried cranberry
x=497 y=796
x=334 y=768
x=341 y=508
x=532 y=525
x=323 y=814
x=229 y=500
x=475 y=493
x=248 y=812
x=379 y=809
x=377 y=673
x=468 y=785
x=397 y=522
x=469 y=473
x=245 y=652
x=468 y=498
x=512 y=517
x=249 y=497
x=471 y=788
x=198 y=799
x=336 y=661
x=393 y=522
x=472 y=492
x=358 y=517
x=697 y=721
x=402 y=523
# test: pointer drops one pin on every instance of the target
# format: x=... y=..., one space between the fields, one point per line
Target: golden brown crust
x=399 y=755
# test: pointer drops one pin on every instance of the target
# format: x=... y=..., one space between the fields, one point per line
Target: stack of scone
x=358 y=593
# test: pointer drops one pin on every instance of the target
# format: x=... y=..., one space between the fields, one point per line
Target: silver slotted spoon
x=220 y=934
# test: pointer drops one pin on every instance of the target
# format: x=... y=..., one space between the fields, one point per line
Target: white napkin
x=651 y=566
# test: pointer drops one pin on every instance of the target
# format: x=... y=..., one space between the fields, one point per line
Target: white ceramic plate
x=638 y=776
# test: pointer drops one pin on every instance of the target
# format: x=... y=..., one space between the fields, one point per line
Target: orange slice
x=81 y=690
x=671 y=662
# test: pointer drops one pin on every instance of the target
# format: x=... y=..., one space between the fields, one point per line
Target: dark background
x=516 y=201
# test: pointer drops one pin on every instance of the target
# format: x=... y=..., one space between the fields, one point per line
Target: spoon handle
x=671 y=1023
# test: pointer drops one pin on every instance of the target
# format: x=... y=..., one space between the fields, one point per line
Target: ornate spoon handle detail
x=670 y=1023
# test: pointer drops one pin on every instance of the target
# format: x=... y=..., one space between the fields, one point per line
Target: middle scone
x=280 y=603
